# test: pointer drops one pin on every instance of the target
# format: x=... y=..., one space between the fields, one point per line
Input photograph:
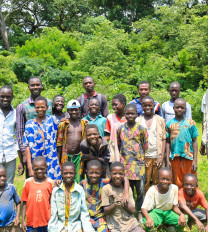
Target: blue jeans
x=38 y=229
x=10 y=171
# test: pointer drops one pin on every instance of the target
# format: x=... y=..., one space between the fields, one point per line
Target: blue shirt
x=100 y=122
x=7 y=199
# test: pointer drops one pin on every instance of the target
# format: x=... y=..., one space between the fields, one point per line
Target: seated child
x=36 y=196
x=9 y=218
x=94 y=147
x=119 y=215
x=68 y=204
x=161 y=203
x=93 y=188
x=190 y=197
x=94 y=117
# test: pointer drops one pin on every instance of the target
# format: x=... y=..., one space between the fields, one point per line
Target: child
x=68 y=207
x=94 y=117
x=36 y=196
x=113 y=122
x=161 y=203
x=133 y=144
x=119 y=215
x=168 y=112
x=58 y=106
x=70 y=134
x=95 y=147
x=190 y=197
x=9 y=218
x=182 y=142
x=155 y=126
x=40 y=139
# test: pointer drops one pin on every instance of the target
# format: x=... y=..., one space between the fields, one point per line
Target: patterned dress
x=42 y=142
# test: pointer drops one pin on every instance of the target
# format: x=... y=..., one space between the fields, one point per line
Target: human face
x=190 y=185
x=117 y=176
x=68 y=174
x=35 y=87
x=118 y=107
x=130 y=115
x=164 y=179
x=59 y=103
x=6 y=97
x=179 y=108
x=94 y=106
x=144 y=90
x=41 y=108
x=92 y=135
x=3 y=177
x=74 y=113
x=88 y=84
x=39 y=169
x=94 y=174
x=148 y=106
x=174 y=91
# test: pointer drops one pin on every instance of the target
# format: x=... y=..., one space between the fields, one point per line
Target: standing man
x=89 y=84
x=26 y=111
x=8 y=143
x=144 y=90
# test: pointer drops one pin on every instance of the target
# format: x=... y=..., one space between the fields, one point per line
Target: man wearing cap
x=71 y=132
x=89 y=84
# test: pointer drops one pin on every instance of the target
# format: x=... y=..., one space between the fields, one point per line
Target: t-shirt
x=120 y=220
x=155 y=200
x=192 y=202
x=7 y=199
x=37 y=196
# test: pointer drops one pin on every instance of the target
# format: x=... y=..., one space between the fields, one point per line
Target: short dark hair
x=39 y=158
x=179 y=99
x=130 y=106
x=7 y=87
x=175 y=83
x=95 y=163
x=165 y=169
x=41 y=98
x=2 y=167
x=94 y=99
x=90 y=126
x=58 y=95
x=88 y=77
x=120 y=97
x=191 y=175
x=148 y=98
x=143 y=82
x=34 y=77
x=69 y=164
x=116 y=164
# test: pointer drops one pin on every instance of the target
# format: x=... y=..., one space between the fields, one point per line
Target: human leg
x=155 y=170
x=148 y=172
x=10 y=170
x=157 y=216
x=139 y=184
x=200 y=214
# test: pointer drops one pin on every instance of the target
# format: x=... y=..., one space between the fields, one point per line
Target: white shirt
x=8 y=143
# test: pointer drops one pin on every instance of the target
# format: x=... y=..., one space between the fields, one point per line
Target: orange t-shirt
x=192 y=202
x=37 y=196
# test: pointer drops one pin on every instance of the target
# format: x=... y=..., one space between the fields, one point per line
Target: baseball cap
x=73 y=104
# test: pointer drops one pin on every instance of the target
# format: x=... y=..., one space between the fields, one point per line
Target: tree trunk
x=4 y=31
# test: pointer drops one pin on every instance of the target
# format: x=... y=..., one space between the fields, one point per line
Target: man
x=89 y=84
x=8 y=144
x=26 y=111
x=144 y=90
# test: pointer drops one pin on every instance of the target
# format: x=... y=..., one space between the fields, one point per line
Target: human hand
x=182 y=220
x=24 y=158
x=56 y=183
x=149 y=222
x=24 y=227
x=202 y=150
x=169 y=164
x=17 y=220
x=125 y=198
x=20 y=169
x=194 y=165
x=30 y=172
x=200 y=225
x=118 y=201
x=206 y=228
x=159 y=162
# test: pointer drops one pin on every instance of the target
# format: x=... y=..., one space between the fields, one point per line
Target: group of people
x=85 y=167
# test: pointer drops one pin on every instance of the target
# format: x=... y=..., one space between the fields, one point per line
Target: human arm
x=149 y=221
x=182 y=218
x=168 y=152
x=59 y=153
x=130 y=205
x=195 y=152
x=53 y=222
x=161 y=158
x=104 y=110
x=29 y=161
x=21 y=164
x=188 y=111
x=24 y=208
x=17 y=218
x=125 y=197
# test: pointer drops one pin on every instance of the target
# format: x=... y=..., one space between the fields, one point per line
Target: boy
x=168 y=112
x=190 y=197
x=155 y=126
x=161 y=203
x=68 y=207
x=36 y=196
x=182 y=142
x=144 y=90
x=70 y=134
x=95 y=147
x=94 y=117
x=133 y=144
x=9 y=218
x=119 y=215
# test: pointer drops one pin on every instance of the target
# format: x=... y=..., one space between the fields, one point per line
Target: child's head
x=174 y=90
x=39 y=167
x=148 y=105
x=94 y=170
x=164 y=178
x=117 y=173
x=94 y=106
x=3 y=175
x=190 y=184
x=58 y=103
x=41 y=106
x=130 y=113
x=73 y=108
x=119 y=103
x=92 y=134
x=179 y=107
x=144 y=88
x=68 y=172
